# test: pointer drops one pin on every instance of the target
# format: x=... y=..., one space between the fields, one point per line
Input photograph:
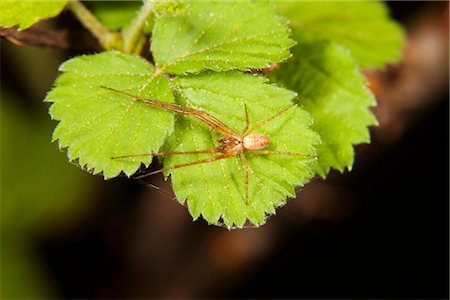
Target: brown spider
x=232 y=143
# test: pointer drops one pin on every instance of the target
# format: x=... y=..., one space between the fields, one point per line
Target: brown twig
x=46 y=37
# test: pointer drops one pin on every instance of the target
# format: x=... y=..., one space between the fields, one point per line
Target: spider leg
x=203 y=161
x=169 y=153
x=280 y=152
x=203 y=116
x=259 y=125
x=245 y=163
x=246 y=120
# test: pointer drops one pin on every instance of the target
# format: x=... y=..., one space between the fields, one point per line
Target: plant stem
x=106 y=38
x=53 y=38
x=133 y=33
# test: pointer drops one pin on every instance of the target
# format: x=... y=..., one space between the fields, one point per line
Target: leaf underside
x=327 y=78
x=202 y=47
x=363 y=27
x=26 y=13
x=336 y=39
x=220 y=36
x=97 y=124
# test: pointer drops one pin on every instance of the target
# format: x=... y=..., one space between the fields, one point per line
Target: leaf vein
x=227 y=42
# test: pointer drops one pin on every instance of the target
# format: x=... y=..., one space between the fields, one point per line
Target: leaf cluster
x=202 y=52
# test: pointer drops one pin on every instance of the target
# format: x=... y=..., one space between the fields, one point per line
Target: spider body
x=234 y=145
x=255 y=141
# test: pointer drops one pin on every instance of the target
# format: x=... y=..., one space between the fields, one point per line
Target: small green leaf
x=326 y=76
x=216 y=190
x=115 y=14
x=118 y=15
x=220 y=36
x=25 y=13
x=97 y=124
x=362 y=26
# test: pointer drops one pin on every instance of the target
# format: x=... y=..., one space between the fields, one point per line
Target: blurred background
x=380 y=231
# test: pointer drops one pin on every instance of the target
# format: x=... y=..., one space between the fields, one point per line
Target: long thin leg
x=203 y=161
x=203 y=116
x=245 y=163
x=279 y=152
x=246 y=120
x=158 y=189
x=169 y=153
x=269 y=119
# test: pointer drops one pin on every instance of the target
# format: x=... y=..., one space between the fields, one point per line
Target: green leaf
x=216 y=190
x=220 y=36
x=117 y=15
x=332 y=90
x=362 y=26
x=25 y=13
x=97 y=124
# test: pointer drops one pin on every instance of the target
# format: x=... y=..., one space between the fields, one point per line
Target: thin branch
x=46 y=37
x=106 y=38
x=133 y=33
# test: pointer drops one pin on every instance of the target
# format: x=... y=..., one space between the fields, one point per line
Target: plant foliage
x=97 y=125
x=220 y=36
x=363 y=27
x=327 y=78
x=335 y=40
x=217 y=190
x=201 y=50
x=26 y=13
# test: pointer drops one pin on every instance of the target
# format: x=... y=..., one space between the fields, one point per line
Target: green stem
x=106 y=38
x=133 y=33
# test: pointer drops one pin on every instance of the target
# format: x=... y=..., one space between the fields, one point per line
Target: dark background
x=384 y=235
x=394 y=245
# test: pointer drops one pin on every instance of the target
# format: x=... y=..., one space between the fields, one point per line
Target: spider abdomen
x=256 y=141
